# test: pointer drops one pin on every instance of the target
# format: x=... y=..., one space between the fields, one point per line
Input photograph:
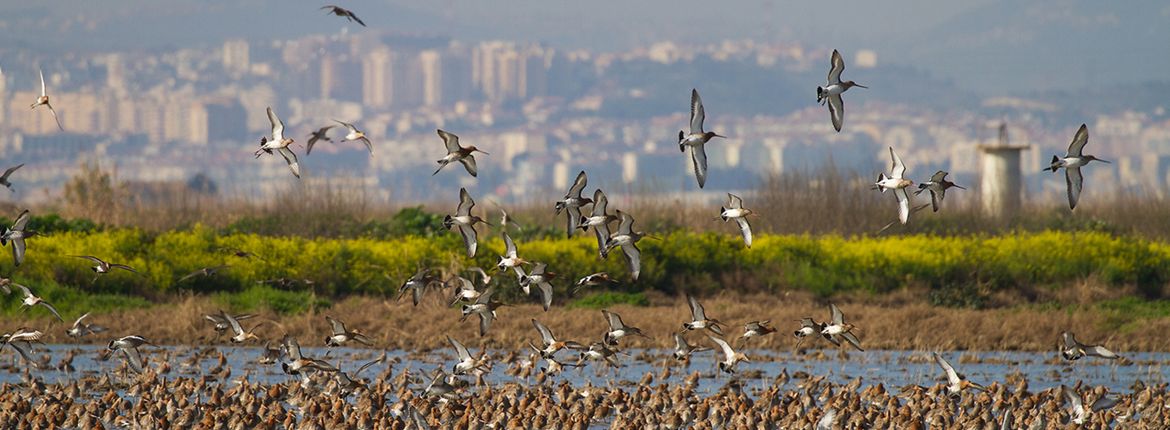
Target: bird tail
x=881 y=178
x=582 y=224
x=1054 y=164
x=721 y=215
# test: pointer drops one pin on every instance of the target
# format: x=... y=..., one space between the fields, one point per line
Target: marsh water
x=891 y=368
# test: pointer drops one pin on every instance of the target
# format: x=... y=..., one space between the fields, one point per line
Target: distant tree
x=94 y=193
x=201 y=183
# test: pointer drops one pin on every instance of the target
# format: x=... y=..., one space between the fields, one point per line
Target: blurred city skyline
x=171 y=91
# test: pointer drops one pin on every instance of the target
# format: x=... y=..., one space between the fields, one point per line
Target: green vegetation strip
x=291 y=274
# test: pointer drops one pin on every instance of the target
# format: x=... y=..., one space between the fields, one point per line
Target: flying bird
x=697 y=138
x=4 y=178
x=955 y=382
x=699 y=318
x=572 y=203
x=540 y=277
x=344 y=13
x=937 y=185
x=730 y=356
x=599 y=220
x=80 y=328
x=1072 y=162
x=129 y=347
x=627 y=238
x=31 y=300
x=1073 y=350
x=16 y=234
x=831 y=92
x=315 y=136
x=837 y=327
x=339 y=335
x=465 y=221
x=510 y=259
x=44 y=100
x=278 y=142
x=455 y=152
x=355 y=134
x=102 y=266
x=736 y=211
x=898 y=183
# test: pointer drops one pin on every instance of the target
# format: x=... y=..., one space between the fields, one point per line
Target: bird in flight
x=344 y=13
x=831 y=92
x=44 y=100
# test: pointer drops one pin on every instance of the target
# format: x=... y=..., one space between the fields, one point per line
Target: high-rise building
x=235 y=55
x=378 y=78
x=431 y=62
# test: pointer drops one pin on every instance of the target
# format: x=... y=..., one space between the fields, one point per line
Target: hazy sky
x=992 y=46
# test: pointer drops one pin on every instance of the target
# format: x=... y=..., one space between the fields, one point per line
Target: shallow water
x=891 y=368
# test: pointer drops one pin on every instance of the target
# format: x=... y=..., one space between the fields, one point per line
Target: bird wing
x=485 y=322
x=369 y=146
x=24 y=348
x=134 y=358
x=293 y=348
x=96 y=260
x=77 y=323
x=697 y=311
x=470 y=239
x=24 y=289
x=615 y=320
x=698 y=114
x=578 y=185
x=838 y=317
x=837 y=111
x=450 y=141
x=727 y=351
x=10 y=170
x=123 y=267
x=18 y=250
x=545 y=334
x=938 y=177
x=1100 y=351
x=1069 y=340
x=44 y=91
x=1074 y=180
x=952 y=376
x=627 y=223
x=680 y=343
x=746 y=229
x=546 y=293
x=574 y=217
x=936 y=197
x=21 y=221
x=355 y=18
x=236 y=328
x=465 y=203
x=461 y=350
x=277 y=125
x=509 y=246
x=699 y=159
x=898 y=168
x=903 y=204
x=55 y=118
x=1071 y=396
x=827 y=420
x=347 y=125
x=468 y=163
x=734 y=202
x=291 y=159
x=371 y=363
x=836 y=69
x=634 y=255
x=602 y=232
x=1077 y=146
x=51 y=309
x=337 y=326
x=599 y=202
x=852 y=339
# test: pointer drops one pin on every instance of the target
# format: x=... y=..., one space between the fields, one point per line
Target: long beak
x=859 y=85
x=485 y=152
x=720 y=135
x=1104 y=161
x=959 y=187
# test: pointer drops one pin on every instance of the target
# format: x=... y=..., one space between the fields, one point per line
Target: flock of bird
x=476 y=298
